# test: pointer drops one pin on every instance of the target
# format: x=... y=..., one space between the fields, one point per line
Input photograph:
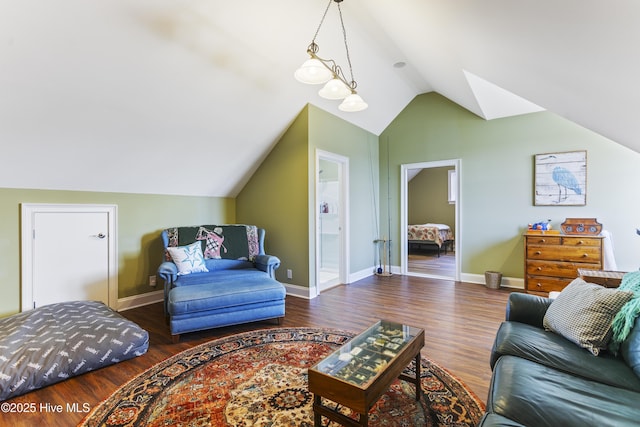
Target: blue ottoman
x=229 y=301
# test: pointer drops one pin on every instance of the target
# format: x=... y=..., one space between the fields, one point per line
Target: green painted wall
x=496 y=177
x=279 y=196
x=275 y=198
x=332 y=134
x=141 y=217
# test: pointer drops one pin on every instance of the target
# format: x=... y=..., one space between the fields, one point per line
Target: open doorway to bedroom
x=429 y=214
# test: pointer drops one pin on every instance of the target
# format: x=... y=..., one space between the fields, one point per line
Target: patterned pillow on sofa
x=188 y=259
x=583 y=313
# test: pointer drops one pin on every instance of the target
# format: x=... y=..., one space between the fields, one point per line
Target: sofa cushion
x=495 y=420
x=188 y=259
x=550 y=349
x=630 y=348
x=228 y=276
x=535 y=395
x=233 y=293
x=583 y=313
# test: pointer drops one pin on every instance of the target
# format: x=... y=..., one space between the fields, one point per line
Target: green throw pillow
x=188 y=259
x=583 y=313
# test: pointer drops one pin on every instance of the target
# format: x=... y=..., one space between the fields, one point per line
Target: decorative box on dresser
x=552 y=260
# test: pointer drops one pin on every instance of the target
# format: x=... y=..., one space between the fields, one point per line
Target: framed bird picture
x=561 y=179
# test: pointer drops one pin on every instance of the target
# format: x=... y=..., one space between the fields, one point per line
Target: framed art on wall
x=561 y=179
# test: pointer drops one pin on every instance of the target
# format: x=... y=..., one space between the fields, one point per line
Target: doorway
x=332 y=254
x=430 y=206
x=68 y=253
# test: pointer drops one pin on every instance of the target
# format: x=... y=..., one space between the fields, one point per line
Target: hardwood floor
x=460 y=321
x=423 y=262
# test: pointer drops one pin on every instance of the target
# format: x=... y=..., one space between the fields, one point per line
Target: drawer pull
x=539 y=285
x=538 y=252
x=539 y=268
x=585 y=255
x=542 y=240
x=581 y=242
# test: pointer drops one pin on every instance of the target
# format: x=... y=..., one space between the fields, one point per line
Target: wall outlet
x=289 y=274
x=152 y=281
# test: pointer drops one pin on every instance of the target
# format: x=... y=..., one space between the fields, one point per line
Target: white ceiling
x=188 y=96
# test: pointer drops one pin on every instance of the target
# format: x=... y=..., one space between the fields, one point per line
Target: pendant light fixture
x=317 y=70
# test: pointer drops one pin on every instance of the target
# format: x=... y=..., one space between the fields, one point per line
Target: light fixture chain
x=317 y=70
x=346 y=48
x=313 y=41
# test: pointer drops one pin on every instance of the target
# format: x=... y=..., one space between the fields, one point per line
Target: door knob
x=101 y=236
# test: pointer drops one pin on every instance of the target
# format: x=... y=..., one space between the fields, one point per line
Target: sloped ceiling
x=188 y=96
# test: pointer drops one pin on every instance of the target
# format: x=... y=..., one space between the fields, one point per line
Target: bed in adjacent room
x=438 y=236
x=54 y=342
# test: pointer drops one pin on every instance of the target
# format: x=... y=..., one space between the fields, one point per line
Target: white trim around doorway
x=344 y=259
x=404 y=252
x=28 y=211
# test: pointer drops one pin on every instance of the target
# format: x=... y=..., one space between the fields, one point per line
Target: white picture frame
x=561 y=179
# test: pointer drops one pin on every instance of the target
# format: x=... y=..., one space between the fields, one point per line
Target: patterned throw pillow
x=214 y=242
x=583 y=313
x=188 y=258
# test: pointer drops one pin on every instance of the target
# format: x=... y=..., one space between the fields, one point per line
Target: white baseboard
x=128 y=303
x=300 y=291
x=311 y=292
x=507 y=282
x=359 y=275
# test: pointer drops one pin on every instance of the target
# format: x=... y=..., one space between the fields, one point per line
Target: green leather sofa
x=541 y=379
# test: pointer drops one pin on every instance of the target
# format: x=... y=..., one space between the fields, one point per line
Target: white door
x=69 y=256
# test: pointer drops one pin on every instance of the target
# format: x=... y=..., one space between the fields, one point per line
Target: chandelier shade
x=335 y=89
x=316 y=70
x=353 y=103
x=313 y=72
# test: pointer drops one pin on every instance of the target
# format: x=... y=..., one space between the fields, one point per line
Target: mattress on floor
x=58 y=341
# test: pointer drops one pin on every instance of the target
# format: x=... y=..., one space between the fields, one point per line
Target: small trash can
x=493 y=279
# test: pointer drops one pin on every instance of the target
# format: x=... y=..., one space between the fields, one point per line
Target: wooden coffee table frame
x=361 y=398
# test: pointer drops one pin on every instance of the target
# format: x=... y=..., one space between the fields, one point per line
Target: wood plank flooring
x=422 y=262
x=460 y=321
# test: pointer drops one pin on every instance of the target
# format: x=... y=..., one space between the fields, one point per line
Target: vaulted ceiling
x=188 y=96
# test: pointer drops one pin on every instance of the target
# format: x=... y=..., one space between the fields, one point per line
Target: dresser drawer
x=546 y=284
x=552 y=260
x=581 y=241
x=587 y=254
x=557 y=268
x=544 y=240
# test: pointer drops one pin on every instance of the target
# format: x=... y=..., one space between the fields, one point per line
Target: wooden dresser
x=552 y=260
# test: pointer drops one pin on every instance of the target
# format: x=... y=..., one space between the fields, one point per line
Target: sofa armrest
x=527 y=308
x=268 y=263
x=168 y=272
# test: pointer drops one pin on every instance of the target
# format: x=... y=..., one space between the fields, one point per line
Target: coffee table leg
x=317 y=418
x=418 y=384
x=364 y=419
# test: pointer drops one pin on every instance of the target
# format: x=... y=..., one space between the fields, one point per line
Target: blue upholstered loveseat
x=218 y=275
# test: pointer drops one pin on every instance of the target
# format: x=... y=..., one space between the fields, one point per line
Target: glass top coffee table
x=361 y=371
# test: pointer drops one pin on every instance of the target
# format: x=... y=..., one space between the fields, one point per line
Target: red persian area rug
x=259 y=378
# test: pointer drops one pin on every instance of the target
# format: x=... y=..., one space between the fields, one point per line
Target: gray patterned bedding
x=58 y=341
